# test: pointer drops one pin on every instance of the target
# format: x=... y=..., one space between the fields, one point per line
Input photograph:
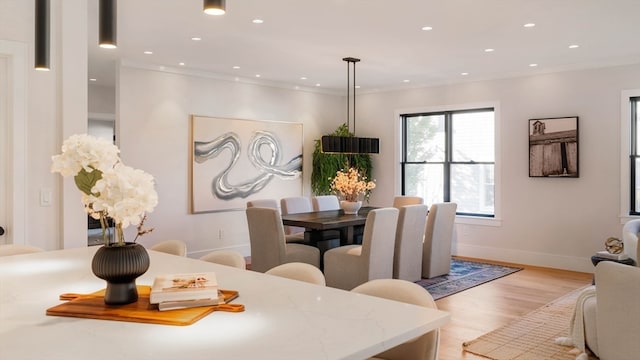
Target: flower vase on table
x=350 y=207
x=113 y=192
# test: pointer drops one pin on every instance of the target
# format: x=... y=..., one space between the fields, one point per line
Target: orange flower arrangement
x=350 y=184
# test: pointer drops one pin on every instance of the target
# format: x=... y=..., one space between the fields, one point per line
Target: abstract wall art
x=234 y=161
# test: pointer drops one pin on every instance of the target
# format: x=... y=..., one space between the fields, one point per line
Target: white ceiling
x=310 y=37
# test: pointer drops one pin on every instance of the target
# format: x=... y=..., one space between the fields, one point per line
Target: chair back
x=294 y=205
x=226 y=257
x=378 y=242
x=436 y=250
x=424 y=347
x=266 y=237
x=400 y=201
x=630 y=232
x=325 y=202
x=407 y=257
x=16 y=249
x=299 y=271
x=173 y=247
x=267 y=203
x=617 y=310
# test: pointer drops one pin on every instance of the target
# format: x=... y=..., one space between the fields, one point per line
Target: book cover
x=608 y=255
x=181 y=287
x=185 y=304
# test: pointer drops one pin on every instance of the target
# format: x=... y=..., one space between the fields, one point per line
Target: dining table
x=317 y=223
x=282 y=318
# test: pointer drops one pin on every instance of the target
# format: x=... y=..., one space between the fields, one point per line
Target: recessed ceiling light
x=196 y=38
x=427 y=28
x=181 y=64
x=258 y=75
x=533 y=65
x=236 y=67
x=529 y=25
x=464 y=73
x=574 y=46
x=406 y=80
x=318 y=84
x=357 y=86
x=257 y=21
x=489 y=50
x=303 y=78
x=93 y=79
x=148 y=52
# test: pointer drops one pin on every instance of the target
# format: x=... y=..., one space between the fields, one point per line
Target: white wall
x=153 y=135
x=547 y=222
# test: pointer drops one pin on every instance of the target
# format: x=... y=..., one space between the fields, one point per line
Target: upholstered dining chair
x=299 y=271
x=346 y=267
x=325 y=202
x=400 y=201
x=174 y=247
x=424 y=347
x=294 y=205
x=268 y=245
x=407 y=257
x=226 y=257
x=16 y=249
x=268 y=203
x=273 y=204
x=436 y=250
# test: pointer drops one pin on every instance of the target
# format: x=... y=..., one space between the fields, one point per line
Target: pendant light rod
x=108 y=24
x=42 y=36
x=214 y=7
x=351 y=61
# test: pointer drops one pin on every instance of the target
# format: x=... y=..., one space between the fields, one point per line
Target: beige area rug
x=531 y=336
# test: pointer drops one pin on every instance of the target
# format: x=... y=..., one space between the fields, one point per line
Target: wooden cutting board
x=92 y=306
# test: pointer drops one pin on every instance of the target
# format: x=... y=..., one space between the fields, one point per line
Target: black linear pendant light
x=108 y=24
x=214 y=7
x=350 y=144
x=42 y=36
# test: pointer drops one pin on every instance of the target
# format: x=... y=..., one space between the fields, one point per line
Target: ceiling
x=309 y=38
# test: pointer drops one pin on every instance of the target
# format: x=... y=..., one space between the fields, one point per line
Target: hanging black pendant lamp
x=214 y=7
x=350 y=144
x=108 y=24
x=42 y=36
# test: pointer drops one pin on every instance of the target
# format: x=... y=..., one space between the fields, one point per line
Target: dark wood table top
x=327 y=220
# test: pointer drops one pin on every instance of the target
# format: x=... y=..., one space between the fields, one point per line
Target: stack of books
x=181 y=291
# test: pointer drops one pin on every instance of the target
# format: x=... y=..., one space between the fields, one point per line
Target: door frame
x=15 y=54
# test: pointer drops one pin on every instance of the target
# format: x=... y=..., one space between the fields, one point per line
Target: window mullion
x=447 y=157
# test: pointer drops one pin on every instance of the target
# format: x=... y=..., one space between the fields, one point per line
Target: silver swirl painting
x=234 y=161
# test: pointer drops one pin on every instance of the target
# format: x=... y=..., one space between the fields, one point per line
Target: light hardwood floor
x=484 y=308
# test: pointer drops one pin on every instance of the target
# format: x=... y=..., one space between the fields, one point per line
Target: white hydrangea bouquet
x=350 y=184
x=110 y=189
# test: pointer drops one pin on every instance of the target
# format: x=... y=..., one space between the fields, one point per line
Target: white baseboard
x=572 y=263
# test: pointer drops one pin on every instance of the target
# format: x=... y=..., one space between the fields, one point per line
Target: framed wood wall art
x=553 y=147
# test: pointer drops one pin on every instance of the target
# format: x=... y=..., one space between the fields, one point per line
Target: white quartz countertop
x=283 y=319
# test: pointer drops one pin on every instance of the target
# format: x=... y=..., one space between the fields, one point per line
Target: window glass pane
x=424 y=180
x=636 y=115
x=472 y=188
x=425 y=138
x=473 y=136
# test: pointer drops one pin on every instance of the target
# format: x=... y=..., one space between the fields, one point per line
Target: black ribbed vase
x=120 y=266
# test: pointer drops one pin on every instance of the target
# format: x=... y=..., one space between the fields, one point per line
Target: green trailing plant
x=325 y=166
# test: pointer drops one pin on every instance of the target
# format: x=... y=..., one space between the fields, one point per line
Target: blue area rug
x=464 y=275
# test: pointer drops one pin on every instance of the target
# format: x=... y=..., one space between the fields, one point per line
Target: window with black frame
x=449 y=156
x=634 y=157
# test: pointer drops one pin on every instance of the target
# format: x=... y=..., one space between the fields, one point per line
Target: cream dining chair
x=325 y=202
x=297 y=237
x=346 y=267
x=16 y=249
x=400 y=201
x=424 y=347
x=407 y=257
x=436 y=250
x=299 y=271
x=268 y=245
x=174 y=247
x=226 y=257
x=295 y=205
